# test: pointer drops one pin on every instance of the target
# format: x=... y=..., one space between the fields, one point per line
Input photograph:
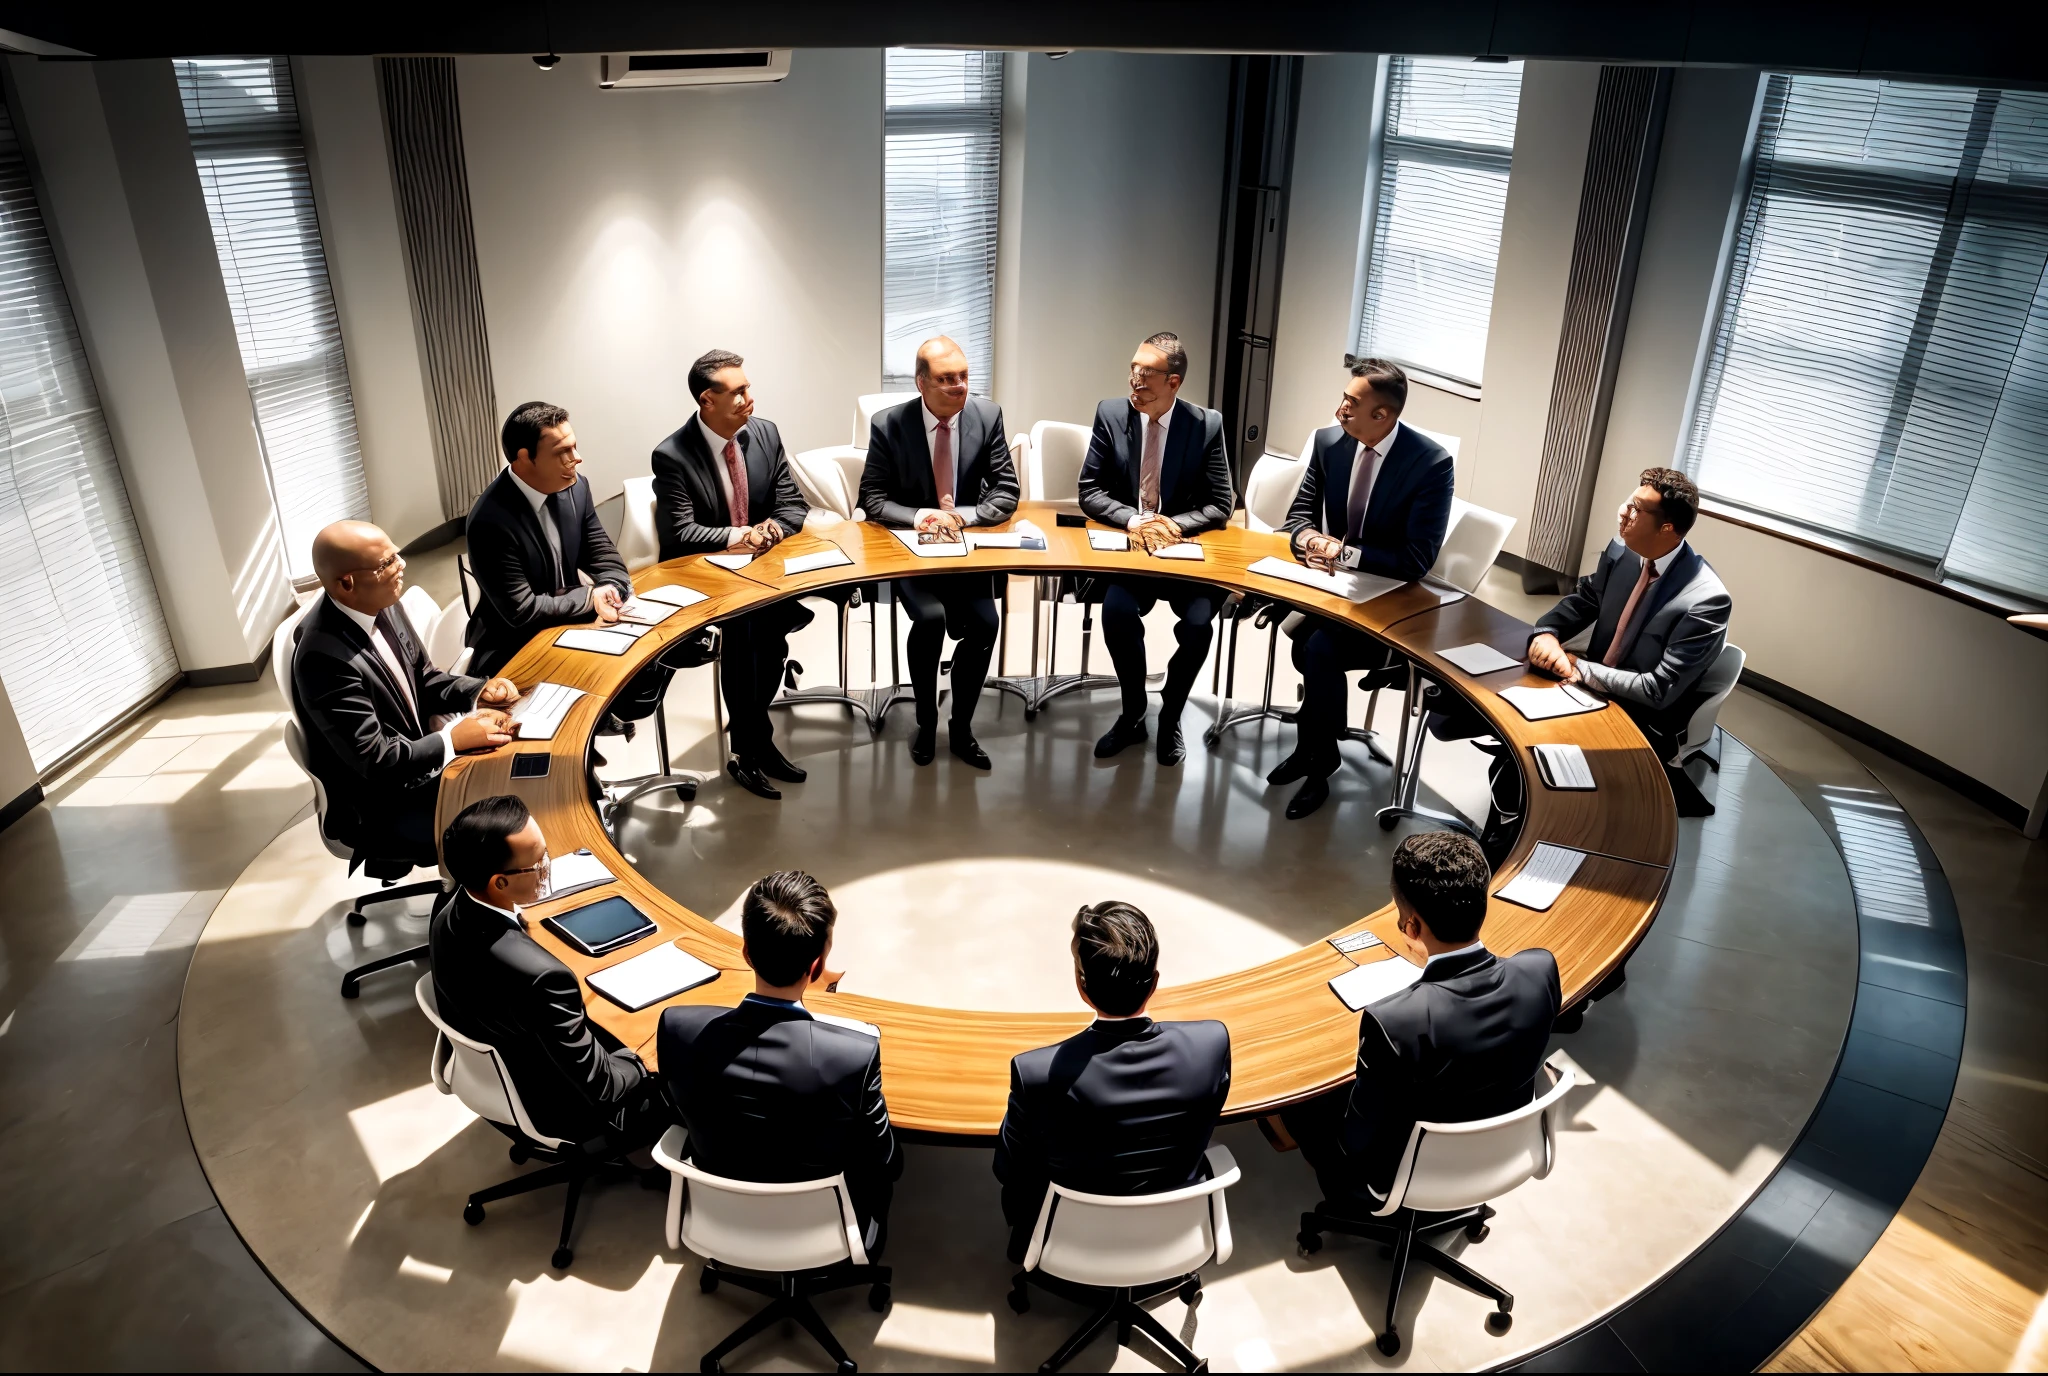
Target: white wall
x=620 y=234
x=342 y=120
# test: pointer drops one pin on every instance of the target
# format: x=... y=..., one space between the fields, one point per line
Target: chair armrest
x=1224 y=1172
x=821 y=518
x=1222 y=1164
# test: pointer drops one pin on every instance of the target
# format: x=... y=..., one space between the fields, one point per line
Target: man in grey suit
x=938 y=465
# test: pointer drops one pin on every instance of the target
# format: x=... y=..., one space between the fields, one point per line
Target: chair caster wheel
x=1499 y=1322
x=519 y=1154
x=356 y=919
x=1031 y=714
x=1309 y=1243
x=1478 y=1232
x=710 y=1364
x=1201 y=1366
x=848 y=1367
x=1020 y=1301
x=707 y=1280
x=878 y=1298
x=1191 y=1293
x=472 y=1214
x=561 y=1259
x=1388 y=823
x=349 y=989
x=1388 y=1343
x=1212 y=738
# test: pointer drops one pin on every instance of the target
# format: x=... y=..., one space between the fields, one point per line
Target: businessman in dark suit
x=1157 y=468
x=531 y=534
x=771 y=1091
x=1464 y=1042
x=939 y=465
x=722 y=484
x=495 y=983
x=366 y=696
x=1123 y=1107
x=1376 y=498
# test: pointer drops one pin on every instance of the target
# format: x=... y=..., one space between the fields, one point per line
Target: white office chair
x=639 y=540
x=1054 y=452
x=1268 y=493
x=787 y=1242
x=1718 y=682
x=387 y=871
x=1113 y=1252
x=1057 y=451
x=445 y=635
x=1447 y=1174
x=475 y=1073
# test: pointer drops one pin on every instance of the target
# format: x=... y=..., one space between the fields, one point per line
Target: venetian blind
x=244 y=122
x=1879 y=363
x=942 y=166
x=1447 y=144
x=84 y=639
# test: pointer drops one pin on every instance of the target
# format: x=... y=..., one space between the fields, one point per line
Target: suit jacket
x=898 y=478
x=365 y=743
x=515 y=569
x=1676 y=637
x=771 y=1093
x=495 y=983
x=1410 y=507
x=690 y=510
x=1463 y=1043
x=1122 y=1107
x=1195 y=489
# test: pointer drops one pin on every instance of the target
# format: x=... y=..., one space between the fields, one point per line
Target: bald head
x=942 y=376
x=349 y=560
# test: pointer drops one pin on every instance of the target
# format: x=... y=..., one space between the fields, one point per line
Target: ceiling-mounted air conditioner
x=719 y=67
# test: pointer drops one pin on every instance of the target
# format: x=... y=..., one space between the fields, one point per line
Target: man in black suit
x=1157 y=468
x=938 y=465
x=1464 y=1042
x=366 y=697
x=494 y=982
x=531 y=533
x=771 y=1091
x=1376 y=498
x=722 y=484
x=1123 y=1107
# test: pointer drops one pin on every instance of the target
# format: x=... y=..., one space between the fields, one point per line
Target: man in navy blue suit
x=1156 y=467
x=1376 y=498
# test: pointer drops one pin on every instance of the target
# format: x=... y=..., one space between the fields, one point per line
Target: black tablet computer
x=603 y=926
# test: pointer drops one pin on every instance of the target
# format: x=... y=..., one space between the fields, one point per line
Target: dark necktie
x=1359 y=498
x=942 y=463
x=1628 y=615
x=551 y=512
x=736 y=473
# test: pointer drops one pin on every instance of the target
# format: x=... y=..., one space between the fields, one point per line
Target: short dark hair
x=1443 y=875
x=1168 y=343
x=478 y=844
x=1118 y=953
x=1389 y=382
x=709 y=362
x=1676 y=495
x=523 y=427
x=786 y=920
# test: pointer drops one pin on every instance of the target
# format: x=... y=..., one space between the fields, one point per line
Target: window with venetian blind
x=942 y=166
x=1878 y=368
x=1447 y=144
x=243 y=117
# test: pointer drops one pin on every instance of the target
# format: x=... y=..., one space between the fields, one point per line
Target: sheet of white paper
x=1030 y=536
x=852 y=1024
x=1371 y=983
x=1186 y=549
x=604 y=642
x=574 y=872
x=823 y=559
x=1109 y=541
x=1345 y=583
x=646 y=611
x=538 y=715
x=735 y=562
x=1564 y=766
x=676 y=595
x=1541 y=704
x=1480 y=659
x=952 y=549
x=647 y=979
x=995 y=539
x=1544 y=877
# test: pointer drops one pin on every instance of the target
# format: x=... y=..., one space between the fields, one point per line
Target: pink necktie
x=942 y=462
x=1628 y=614
x=1148 y=468
x=1359 y=498
x=737 y=471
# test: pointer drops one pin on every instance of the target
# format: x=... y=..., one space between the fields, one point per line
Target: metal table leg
x=1408 y=773
x=1038 y=689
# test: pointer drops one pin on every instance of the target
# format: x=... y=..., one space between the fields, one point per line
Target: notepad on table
x=1478 y=658
x=1541 y=704
x=995 y=539
x=735 y=562
x=914 y=541
x=606 y=641
x=645 y=611
x=1543 y=877
x=1109 y=541
x=575 y=872
x=652 y=976
x=675 y=595
x=1564 y=766
x=1186 y=549
x=1353 y=942
x=1371 y=983
x=1348 y=584
x=808 y=563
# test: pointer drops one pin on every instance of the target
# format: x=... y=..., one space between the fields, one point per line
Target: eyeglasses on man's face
x=1140 y=373
x=540 y=868
x=384 y=567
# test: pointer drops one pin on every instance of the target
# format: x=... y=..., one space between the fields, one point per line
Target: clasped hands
x=1155 y=531
x=941 y=519
x=758 y=539
x=488 y=727
x=1321 y=552
x=1547 y=653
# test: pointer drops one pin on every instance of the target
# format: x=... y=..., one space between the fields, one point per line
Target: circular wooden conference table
x=945 y=1071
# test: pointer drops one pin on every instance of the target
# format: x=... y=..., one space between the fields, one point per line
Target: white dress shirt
x=1448 y=955
x=539 y=502
x=1598 y=675
x=512 y=916
x=388 y=652
x=1145 y=424
x=717 y=446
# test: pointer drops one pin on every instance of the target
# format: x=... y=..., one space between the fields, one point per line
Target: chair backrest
x=445 y=636
x=830 y=478
x=1449 y=442
x=639 y=542
x=757 y=1226
x=1717 y=682
x=1117 y=1240
x=864 y=409
x=474 y=1072
x=1270 y=490
x=420 y=609
x=1058 y=449
x=282 y=643
x=1471 y=544
x=1449 y=1166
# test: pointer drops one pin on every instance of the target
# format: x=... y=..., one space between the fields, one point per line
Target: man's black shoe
x=1172 y=749
x=1294 y=767
x=925 y=744
x=1314 y=792
x=749 y=776
x=961 y=742
x=1126 y=732
x=776 y=765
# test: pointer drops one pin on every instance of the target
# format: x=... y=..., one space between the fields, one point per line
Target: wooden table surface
x=946 y=1071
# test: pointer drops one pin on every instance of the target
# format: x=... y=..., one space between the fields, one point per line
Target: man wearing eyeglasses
x=1156 y=468
x=494 y=983
x=367 y=699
